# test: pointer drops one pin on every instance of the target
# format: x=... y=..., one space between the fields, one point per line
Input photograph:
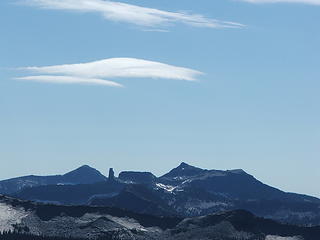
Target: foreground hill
x=185 y=191
x=26 y=236
x=84 y=222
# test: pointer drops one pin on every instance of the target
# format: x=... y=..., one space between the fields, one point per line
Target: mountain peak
x=184 y=170
x=85 y=167
x=183 y=164
x=82 y=169
x=84 y=174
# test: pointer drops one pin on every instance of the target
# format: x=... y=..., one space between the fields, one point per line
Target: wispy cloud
x=96 y=72
x=128 y=13
x=312 y=2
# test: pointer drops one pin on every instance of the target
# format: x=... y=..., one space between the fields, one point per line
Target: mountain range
x=185 y=191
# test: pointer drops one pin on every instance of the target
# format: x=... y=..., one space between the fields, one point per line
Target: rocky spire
x=111 y=174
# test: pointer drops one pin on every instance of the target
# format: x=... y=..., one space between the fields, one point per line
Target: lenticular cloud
x=70 y=80
x=98 y=71
x=133 y=14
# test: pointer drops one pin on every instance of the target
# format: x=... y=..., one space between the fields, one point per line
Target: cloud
x=95 y=72
x=69 y=80
x=312 y=2
x=123 y=12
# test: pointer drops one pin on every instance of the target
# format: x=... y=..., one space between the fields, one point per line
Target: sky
x=146 y=84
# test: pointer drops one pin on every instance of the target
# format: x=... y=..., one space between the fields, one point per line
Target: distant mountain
x=82 y=175
x=193 y=192
x=185 y=191
x=84 y=222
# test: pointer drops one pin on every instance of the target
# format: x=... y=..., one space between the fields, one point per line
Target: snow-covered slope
x=83 y=222
x=77 y=221
x=10 y=215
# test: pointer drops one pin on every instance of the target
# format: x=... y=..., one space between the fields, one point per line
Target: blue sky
x=256 y=106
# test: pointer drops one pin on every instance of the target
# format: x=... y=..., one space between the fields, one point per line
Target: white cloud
x=312 y=2
x=123 y=12
x=95 y=72
x=69 y=80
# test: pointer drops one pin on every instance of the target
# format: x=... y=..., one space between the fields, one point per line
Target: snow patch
x=168 y=188
x=128 y=223
x=187 y=181
x=10 y=216
x=271 y=237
